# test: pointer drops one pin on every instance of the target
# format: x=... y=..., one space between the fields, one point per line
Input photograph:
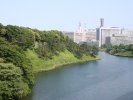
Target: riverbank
x=120 y=50
x=125 y=54
x=112 y=74
x=63 y=58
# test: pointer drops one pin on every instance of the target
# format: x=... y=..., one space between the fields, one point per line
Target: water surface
x=106 y=79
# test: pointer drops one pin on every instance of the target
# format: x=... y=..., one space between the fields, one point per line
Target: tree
x=15 y=55
x=12 y=86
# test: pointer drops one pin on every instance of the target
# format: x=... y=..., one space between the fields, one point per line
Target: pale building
x=83 y=34
x=113 y=35
x=91 y=35
x=117 y=40
x=102 y=35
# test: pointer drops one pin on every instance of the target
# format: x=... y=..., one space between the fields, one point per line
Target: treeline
x=50 y=43
x=16 y=73
x=118 y=48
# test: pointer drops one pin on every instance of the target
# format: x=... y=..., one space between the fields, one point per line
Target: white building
x=84 y=35
x=113 y=35
x=117 y=40
x=102 y=35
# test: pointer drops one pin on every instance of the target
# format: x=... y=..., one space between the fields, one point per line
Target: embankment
x=63 y=58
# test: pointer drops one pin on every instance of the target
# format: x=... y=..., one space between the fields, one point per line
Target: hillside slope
x=24 y=51
x=63 y=58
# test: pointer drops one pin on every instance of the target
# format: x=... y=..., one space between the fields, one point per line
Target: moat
x=107 y=79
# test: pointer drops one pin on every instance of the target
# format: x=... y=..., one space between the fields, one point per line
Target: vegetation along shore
x=25 y=51
x=120 y=50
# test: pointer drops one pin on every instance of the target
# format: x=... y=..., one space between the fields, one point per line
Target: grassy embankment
x=63 y=58
x=125 y=54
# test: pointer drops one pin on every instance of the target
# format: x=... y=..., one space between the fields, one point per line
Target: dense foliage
x=118 y=48
x=16 y=74
x=12 y=85
x=53 y=42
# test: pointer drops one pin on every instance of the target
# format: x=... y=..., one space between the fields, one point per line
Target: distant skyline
x=65 y=15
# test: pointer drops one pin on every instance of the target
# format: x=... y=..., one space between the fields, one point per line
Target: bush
x=12 y=86
x=19 y=76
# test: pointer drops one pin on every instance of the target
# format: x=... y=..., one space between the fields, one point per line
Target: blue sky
x=66 y=14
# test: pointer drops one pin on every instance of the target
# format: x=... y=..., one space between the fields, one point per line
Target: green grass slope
x=62 y=59
x=125 y=54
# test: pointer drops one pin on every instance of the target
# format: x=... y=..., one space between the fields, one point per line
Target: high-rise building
x=102 y=35
x=101 y=22
x=113 y=35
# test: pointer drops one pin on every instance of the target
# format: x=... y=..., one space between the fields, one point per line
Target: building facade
x=84 y=35
x=102 y=35
x=113 y=35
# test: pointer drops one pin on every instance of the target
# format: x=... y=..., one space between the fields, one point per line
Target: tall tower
x=80 y=27
x=101 y=22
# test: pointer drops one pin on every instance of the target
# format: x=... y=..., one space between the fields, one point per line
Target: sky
x=64 y=15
